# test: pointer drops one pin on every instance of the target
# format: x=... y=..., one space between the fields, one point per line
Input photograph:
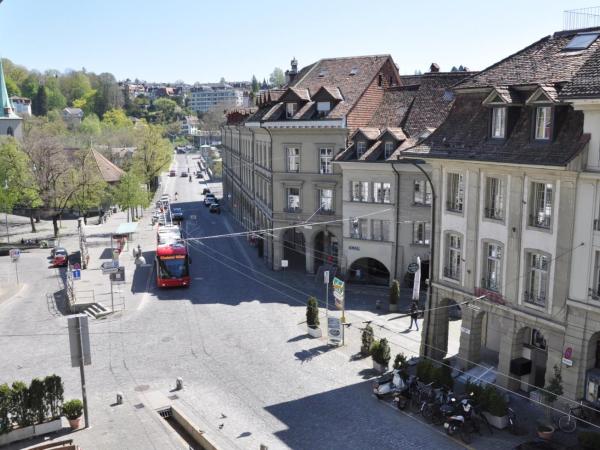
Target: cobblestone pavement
x=237 y=338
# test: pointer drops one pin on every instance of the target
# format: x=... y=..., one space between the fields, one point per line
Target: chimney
x=434 y=67
x=290 y=75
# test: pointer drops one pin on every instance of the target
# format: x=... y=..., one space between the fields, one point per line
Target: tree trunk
x=55 y=224
x=33 y=230
x=85 y=218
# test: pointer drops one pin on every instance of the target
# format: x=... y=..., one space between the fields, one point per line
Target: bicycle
x=568 y=422
x=420 y=395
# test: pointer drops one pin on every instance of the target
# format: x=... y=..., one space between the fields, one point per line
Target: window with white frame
x=293 y=199
x=494 y=198
x=325 y=158
x=453 y=256
x=538 y=269
x=492 y=266
x=421 y=233
x=382 y=192
x=326 y=200
x=543 y=123
x=360 y=191
x=293 y=159
x=541 y=200
x=358 y=228
x=291 y=109
x=361 y=148
x=455 y=192
x=499 y=122
x=380 y=230
x=388 y=149
x=422 y=193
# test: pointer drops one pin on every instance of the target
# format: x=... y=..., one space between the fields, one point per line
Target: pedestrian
x=414 y=314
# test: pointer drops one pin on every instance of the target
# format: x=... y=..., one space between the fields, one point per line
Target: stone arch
x=370 y=271
x=326 y=248
x=447 y=317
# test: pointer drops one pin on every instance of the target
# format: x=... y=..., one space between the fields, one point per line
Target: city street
x=236 y=336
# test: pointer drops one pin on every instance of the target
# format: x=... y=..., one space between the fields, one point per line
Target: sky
x=198 y=40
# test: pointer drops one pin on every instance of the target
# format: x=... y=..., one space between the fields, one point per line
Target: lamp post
x=418 y=164
x=6 y=209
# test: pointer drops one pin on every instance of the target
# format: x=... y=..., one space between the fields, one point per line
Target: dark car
x=209 y=199
x=214 y=208
x=184 y=174
x=176 y=214
x=172 y=173
x=60 y=257
x=199 y=175
x=205 y=191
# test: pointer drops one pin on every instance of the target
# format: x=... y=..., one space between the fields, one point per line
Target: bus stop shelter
x=120 y=238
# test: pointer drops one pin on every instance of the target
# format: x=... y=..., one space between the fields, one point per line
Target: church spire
x=6 y=107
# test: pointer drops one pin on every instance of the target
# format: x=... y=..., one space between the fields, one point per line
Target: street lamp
x=418 y=163
x=6 y=208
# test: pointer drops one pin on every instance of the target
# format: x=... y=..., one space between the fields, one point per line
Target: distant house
x=72 y=116
x=189 y=125
x=107 y=170
x=122 y=155
x=22 y=105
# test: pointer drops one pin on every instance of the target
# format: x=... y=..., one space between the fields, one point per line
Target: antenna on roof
x=574 y=19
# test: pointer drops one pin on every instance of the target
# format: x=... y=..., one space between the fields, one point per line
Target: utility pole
x=82 y=373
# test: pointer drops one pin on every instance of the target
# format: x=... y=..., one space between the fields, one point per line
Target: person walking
x=414 y=314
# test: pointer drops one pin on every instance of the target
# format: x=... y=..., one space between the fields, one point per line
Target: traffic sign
x=76 y=266
x=14 y=253
x=76 y=274
x=413 y=267
x=338 y=292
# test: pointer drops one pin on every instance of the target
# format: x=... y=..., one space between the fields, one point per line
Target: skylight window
x=581 y=41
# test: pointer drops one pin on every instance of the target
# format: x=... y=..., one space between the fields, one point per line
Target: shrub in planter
x=495 y=403
x=553 y=389
x=73 y=409
x=367 y=340
x=312 y=313
x=425 y=370
x=53 y=387
x=381 y=352
x=394 y=295
x=400 y=362
x=5 y=407
x=37 y=401
x=442 y=375
x=19 y=400
x=479 y=393
x=589 y=440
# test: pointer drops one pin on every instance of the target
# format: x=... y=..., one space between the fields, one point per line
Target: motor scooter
x=456 y=422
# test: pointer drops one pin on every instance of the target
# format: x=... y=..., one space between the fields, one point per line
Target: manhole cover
x=142 y=388
x=173 y=397
x=138 y=406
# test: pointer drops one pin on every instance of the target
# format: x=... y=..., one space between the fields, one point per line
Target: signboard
x=79 y=324
x=338 y=292
x=284 y=263
x=118 y=277
x=465 y=330
x=566 y=360
x=14 y=253
x=110 y=267
x=413 y=267
x=335 y=330
x=326 y=277
x=76 y=274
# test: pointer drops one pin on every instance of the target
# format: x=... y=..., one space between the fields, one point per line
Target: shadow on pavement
x=308 y=355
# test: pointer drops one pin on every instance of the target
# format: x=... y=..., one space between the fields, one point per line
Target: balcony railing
x=493 y=213
x=540 y=220
x=452 y=272
x=535 y=299
x=490 y=285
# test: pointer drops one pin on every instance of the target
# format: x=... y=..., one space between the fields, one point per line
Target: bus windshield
x=171 y=267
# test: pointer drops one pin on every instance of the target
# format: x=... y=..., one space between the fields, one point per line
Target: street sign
x=335 y=331
x=284 y=263
x=77 y=274
x=413 y=267
x=338 y=292
x=326 y=277
x=14 y=253
x=79 y=339
x=76 y=266
x=118 y=276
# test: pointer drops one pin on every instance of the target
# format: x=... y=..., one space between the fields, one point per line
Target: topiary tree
x=394 y=292
x=367 y=340
x=554 y=388
x=5 y=408
x=37 y=401
x=19 y=403
x=381 y=352
x=73 y=409
x=54 y=390
x=312 y=313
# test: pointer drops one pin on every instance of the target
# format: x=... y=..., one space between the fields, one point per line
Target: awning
x=127 y=228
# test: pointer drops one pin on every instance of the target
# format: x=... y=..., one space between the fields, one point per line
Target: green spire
x=4 y=98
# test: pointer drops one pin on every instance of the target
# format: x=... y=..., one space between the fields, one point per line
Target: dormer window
x=291 y=109
x=380 y=80
x=323 y=108
x=361 y=148
x=388 y=149
x=498 y=122
x=543 y=123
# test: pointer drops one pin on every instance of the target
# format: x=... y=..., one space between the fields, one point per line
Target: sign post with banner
x=335 y=331
x=338 y=294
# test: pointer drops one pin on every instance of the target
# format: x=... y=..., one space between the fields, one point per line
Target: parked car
x=60 y=257
x=172 y=173
x=214 y=208
x=176 y=214
x=205 y=191
x=184 y=174
x=208 y=199
x=199 y=175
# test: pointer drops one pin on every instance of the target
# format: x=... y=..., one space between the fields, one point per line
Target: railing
x=539 y=300
x=493 y=213
x=540 y=220
x=452 y=272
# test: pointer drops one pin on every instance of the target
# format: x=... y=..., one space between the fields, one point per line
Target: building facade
x=209 y=96
x=515 y=201
x=22 y=105
x=10 y=123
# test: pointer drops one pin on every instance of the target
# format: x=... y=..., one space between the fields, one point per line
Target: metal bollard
x=179 y=383
x=119 y=398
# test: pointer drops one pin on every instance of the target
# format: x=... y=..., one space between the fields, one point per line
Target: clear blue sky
x=197 y=40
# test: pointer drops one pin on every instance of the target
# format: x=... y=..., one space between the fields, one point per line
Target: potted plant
x=380 y=352
x=552 y=391
x=495 y=407
x=394 y=295
x=312 y=317
x=367 y=341
x=72 y=410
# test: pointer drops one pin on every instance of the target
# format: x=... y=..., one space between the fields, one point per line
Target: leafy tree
x=5 y=407
x=167 y=108
x=53 y=386
x=554 y=388
x=255 y=86
x=116 y=118
x=277 y=78
x=312 y=313
x=90 y=125
x=37 y=401
x=75 y=85
x=153 y=155
x=20 y=404
x=12 y=87
x=40 y=102
x=130 y=192
x=56 y=100
x=367 y=340
x=91 y=188
x=30 y=86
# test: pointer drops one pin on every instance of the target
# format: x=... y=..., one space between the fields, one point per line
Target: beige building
x=516 y=201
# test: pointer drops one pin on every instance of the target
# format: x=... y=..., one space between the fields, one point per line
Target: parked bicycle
x=568 y=422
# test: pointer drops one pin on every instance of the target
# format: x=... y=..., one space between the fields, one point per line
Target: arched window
x=10 y=132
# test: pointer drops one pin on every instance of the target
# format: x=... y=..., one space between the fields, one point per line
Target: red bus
x=172 y=265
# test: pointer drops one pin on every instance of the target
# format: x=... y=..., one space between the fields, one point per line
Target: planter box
x=28 y=432
x=315 y=332
x=393 y=308
x=380 y=368
x=496 y=421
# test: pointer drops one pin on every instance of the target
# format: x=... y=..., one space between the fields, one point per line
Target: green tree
x=30 y=86
x=153 y=154
x=91 y=188
x=12 y=87
x=277 y=78
x=75 y=85
x=90 y=125
x=56 y=100
x=130 y=193
x=167 y=108
x=255 y=87
x=116 y=118
x=40 y=102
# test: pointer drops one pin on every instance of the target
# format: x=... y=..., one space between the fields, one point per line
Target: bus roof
x=171 y=249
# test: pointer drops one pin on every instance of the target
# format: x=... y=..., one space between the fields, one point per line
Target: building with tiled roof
x=387 y=206
x=515 y=167
x=278 y=165
x=10 y=123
